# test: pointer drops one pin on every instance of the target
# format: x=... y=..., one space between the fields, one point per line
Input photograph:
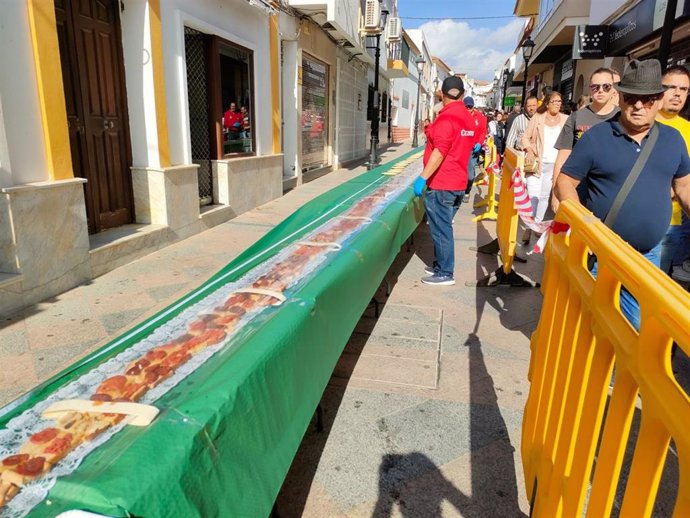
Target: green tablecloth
x=227 y=434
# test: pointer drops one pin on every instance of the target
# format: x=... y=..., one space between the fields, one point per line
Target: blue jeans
x=628 y=304
x=470 y=171
x=440 y=208
x=675 y=247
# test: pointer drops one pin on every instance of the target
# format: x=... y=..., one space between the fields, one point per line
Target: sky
x=476 y=47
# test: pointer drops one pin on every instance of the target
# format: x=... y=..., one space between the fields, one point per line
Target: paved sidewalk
x=423 y=413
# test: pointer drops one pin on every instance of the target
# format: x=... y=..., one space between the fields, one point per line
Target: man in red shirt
x=481 y=125
x=449 y=144
x=232 y=122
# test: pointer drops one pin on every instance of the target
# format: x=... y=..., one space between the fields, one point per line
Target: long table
x=227 y=434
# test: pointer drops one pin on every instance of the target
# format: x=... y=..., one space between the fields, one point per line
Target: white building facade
x=111 y=151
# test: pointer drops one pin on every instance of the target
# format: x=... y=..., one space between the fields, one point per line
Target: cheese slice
x=139 y=414
x=10 y=477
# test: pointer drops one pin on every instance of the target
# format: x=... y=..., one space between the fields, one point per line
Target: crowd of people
x=622 y=151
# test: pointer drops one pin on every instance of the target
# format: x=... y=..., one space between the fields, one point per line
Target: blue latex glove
x=476 y=148
x=237 y=125
x=418 y=186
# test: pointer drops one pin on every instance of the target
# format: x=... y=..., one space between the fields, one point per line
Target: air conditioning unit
x=394 y=29
x=372 y=16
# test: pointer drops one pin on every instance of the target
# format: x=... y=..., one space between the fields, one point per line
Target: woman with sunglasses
x=599 y=110
x=539 y=141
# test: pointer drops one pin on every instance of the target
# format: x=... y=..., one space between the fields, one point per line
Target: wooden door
x=93 y=78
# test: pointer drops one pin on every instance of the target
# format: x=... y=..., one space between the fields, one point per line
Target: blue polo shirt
x=602 y=160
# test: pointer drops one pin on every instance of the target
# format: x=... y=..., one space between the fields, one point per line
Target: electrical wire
x=464 y=18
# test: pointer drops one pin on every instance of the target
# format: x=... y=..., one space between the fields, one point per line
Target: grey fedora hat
x=642 y=78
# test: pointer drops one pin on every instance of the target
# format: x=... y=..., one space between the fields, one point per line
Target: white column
x=141 y=103
x=338 y=100
x=290 y=109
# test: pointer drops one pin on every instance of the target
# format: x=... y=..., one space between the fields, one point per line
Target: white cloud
x=477 y=52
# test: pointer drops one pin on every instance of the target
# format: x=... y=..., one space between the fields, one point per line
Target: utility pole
x=527 y=49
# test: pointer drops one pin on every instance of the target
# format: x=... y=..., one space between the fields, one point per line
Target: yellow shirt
x=683 y=127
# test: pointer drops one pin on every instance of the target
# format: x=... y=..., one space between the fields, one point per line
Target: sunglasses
x=606 y=87
x=646 y=100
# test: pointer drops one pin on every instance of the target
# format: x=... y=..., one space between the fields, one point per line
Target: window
x=406 y=99
x=546 y=8
x=235 y=83
x=220 y=100
x=405 y=53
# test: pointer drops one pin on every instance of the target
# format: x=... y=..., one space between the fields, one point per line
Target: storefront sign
x=508 y=102
x=567 y=70
x=638 y=23
x=590 y=41
x=631 y=27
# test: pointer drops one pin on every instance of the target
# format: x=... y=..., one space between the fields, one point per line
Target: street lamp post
x=373 y=152
x=420 y=63
x=527 y=49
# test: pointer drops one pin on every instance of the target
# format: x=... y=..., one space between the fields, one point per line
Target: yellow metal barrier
x=488 y=160
x=507 y=221
x=490 y=199
x=580 y=336
x=506 y=229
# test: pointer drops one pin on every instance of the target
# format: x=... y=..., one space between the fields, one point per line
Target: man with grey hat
x=449 y=143
x=607 y=154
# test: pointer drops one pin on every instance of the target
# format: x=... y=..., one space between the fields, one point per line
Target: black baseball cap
x=453 y=83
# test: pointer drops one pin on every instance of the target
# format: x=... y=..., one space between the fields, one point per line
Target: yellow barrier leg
x=482 y=203
x=491 y=203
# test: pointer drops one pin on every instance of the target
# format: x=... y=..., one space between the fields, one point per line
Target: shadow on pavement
x=518 y=308
x=418 y=488
x=410 y=483
x=292 y=499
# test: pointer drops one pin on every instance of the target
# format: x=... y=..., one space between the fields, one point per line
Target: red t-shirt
x=230 y=118
x=453 y=134
x=482 y=125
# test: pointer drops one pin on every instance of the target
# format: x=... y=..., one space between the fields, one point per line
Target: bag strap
x=630 y=181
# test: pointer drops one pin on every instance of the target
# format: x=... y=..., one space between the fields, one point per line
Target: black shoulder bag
x=630 y=181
